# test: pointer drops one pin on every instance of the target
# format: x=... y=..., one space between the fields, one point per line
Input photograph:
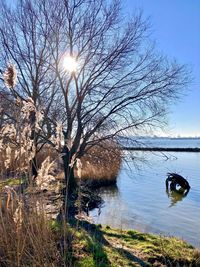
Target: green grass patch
x=152 y=247
x=129 y=248
x=11 y=182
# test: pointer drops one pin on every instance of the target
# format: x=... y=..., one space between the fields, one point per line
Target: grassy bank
x=94 y=246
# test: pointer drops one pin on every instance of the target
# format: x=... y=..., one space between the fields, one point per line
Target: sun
x=70 y=63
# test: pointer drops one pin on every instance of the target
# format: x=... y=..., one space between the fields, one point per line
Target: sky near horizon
x=176 y=30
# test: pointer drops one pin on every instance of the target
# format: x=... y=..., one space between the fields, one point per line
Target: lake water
x=162 y=142
x=139 y=201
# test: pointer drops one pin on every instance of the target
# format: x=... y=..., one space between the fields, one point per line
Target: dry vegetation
x=15 y=165
x=26 y=239
x=101 y=164
x=21 y=163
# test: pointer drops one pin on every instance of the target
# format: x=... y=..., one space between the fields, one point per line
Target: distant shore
x=165 y=149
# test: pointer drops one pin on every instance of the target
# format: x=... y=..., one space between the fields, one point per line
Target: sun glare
x=70 y=63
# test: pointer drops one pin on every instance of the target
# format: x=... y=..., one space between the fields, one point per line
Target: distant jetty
x=165 y=149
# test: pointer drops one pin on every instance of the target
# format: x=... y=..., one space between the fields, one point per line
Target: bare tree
x=120 y=82
x=23 y=34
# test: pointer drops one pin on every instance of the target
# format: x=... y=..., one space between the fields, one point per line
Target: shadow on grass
x=97 y=245
x=130 y=256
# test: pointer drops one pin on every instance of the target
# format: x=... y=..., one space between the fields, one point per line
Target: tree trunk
x=70 y=181
x=34 y=167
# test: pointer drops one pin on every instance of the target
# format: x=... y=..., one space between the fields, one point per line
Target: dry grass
x=47 y=151
x=15 y=164
x=101 y=164
x=26 y=239
x=21 y=165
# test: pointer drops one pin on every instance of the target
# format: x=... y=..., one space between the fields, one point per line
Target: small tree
x=115 y=82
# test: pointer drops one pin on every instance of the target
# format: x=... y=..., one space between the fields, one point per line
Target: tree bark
x=34 y=167
x=70 y=181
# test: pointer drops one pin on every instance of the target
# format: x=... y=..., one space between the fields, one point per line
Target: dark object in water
x=176 y=179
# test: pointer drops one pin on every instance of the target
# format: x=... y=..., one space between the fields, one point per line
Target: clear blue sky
x=176 y=29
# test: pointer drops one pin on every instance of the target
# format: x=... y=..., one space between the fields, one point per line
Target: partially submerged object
x=177 y=180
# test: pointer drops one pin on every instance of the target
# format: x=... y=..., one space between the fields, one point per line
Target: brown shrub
x=101 y=163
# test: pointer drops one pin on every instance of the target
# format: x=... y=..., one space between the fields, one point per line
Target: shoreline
x=106 y=246
x=165 y=149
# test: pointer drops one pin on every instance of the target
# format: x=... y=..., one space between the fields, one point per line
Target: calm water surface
x=161 y=142
x=140 y=200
